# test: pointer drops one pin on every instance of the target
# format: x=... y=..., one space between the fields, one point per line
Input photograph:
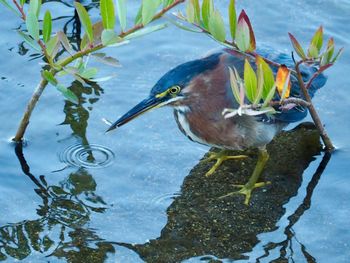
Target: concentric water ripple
x=87 y=156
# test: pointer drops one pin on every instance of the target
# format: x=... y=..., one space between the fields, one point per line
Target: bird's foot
x=246 y=190
x=220 y=157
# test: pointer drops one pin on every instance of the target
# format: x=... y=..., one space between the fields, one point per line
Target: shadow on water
x=201 y=225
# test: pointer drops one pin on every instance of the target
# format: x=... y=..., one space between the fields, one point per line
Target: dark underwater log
x=199 y=223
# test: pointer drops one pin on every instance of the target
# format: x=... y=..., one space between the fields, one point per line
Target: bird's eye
x=174 y=90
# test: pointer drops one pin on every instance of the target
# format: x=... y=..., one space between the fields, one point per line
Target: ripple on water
x=87 y=156
x=164 y=198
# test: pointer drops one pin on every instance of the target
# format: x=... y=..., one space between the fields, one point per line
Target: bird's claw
x=220 y=157
x=246 y=190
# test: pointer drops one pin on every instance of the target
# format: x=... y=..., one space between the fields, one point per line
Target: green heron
x=199 y=91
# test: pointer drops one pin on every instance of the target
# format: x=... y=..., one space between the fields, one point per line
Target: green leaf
x=297 y=47
x=207 y=10
x=109 y=37
x=217 y=26
x=260 y=85
x=328 y=54
x=65 y=42
x=50 y=77
x=33 y=25
x=101 y=57
x=245 y=38
x=34 y=7
x=313 y=51
x=22 y=2
x=138 y=18
x=149 y=9
x=232 y=18
x=145 y=31
x=234 y=85
x=52 y=46
x=107 y=13
x=30 y=41
x=242 y=35
x=337 y=55
x=85 y=20
x=250 y=81
x=121 y=10
x=166 y=3
x=89 y=73
x=269 y=79
x=317 y=39
x=269 y=96
x=197 y=11
x=4 y=2
x=190 y=15
x=68 y=94
x=47 y=26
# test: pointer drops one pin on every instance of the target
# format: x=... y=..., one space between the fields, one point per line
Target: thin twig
x=43 y=83
x=327 y=141
x=20 y=9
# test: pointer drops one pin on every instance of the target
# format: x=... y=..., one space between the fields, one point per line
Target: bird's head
x=171 y=89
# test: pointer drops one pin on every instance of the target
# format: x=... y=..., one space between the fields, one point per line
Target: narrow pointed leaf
x=34 y=7
x=243 y=17
x=47 y=26
x=30 y=41
x=317 y=39
x=85 y=20
x=138 y=18
x=65 y=42
x=260 y=85
x=22 y=2
x=328 y=54
x=145 y=31
x=283 y=81
x=207 y=10
x=121 y=11
x=149 y=9
x=52 y=46
x=49 y=77
x=89 y=73
x=190 y=15
x=33 y=25
x=313 y=51
x=234 y=85
x=109 y=37
x=97 y=30
x=7 y=5
x=216 y=26
x=101 y=57
x=232 y=18
x=250 y=81
x=197 y=11
x=297 y=47
x=242 y=34
x=68 y=94
x=107 y=13
x=269 y=96
x=337 y=55
x=269 y=79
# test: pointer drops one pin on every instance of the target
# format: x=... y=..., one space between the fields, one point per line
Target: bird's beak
x=144 y=106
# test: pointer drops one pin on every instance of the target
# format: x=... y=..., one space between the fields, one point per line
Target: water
x=64 y=209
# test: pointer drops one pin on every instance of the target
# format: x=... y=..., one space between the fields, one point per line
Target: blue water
x=151 y=156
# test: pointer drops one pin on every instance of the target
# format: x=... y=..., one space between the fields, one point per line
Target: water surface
x=59 y=211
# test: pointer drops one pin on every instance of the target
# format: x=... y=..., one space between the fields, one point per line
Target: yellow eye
x=174 y=90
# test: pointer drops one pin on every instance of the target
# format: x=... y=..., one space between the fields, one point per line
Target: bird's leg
x=220 y=157
x=252 y=183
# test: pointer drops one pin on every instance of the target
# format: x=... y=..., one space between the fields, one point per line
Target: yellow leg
x=220 y=157
x=252 y=183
